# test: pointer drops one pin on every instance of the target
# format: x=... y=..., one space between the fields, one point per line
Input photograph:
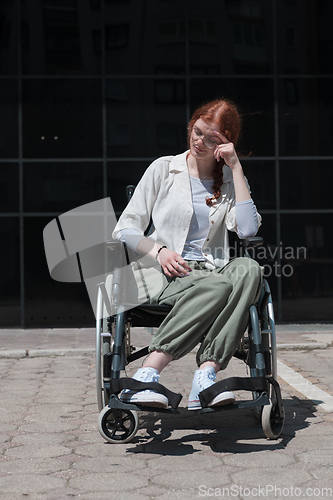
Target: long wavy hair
x=224 y=112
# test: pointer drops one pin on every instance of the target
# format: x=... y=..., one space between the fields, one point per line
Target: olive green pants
x=209 y=307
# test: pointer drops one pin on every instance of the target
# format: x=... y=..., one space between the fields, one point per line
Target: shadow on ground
x=227 y=431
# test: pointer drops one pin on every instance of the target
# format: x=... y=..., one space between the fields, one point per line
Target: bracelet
x=161 y=248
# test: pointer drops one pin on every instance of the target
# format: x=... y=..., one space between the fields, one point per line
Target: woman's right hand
x=173 y=264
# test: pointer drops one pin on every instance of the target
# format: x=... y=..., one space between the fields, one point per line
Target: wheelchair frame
x=118 y=421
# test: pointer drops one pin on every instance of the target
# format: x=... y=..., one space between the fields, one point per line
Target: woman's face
x=203 y=141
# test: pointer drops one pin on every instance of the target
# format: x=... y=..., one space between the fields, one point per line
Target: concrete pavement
x=51 y=447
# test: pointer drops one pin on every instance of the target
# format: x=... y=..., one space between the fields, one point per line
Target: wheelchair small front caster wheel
x=272 y=421
x=117 y=426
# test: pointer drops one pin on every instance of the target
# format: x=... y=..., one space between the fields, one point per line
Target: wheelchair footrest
x=255 y=384
x=117 y=385
x=114 y=402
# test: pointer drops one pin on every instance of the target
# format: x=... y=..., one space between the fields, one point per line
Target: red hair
x=225 y=113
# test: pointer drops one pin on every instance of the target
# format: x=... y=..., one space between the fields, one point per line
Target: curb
x=303 y=347
x=39 y=353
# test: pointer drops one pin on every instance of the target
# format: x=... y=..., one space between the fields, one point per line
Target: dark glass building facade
x=92 y=91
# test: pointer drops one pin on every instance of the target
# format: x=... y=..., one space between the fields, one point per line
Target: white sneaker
x=202 y=380
x=147 y=397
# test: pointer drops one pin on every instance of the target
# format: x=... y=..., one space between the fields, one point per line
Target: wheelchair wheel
x=117 y=426
x=272 y=421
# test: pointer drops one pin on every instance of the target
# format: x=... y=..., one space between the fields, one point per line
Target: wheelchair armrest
x=254 y=241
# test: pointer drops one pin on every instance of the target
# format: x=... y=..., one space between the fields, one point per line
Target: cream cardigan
x=164 y=193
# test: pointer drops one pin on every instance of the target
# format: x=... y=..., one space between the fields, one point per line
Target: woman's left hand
x=226 y=150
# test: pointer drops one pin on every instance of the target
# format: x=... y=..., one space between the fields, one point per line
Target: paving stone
x=271 y=458
x=10 y=496
x=45 y=452
x=193 y=479
x=39 y=439
x=280 y=476
x=32 y=466
x=65 y=493
x=317 y=456
x=106 y=495
x=197 y=462
x=29 y=484
x=183 y=494
x=152 y=491
x=113 y=464
x=324 y=472
x=46 y=427
x=112 y=481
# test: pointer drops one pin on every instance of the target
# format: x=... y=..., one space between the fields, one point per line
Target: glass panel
x=306 y=119
x=60 y=37
x=49 y=303
x=9 y=187
x=304 y=184
x=145 y=38
x=9 y=119
x=62 y=118
x=256 y=101
x=307 y=272
x=230 y=38
x=261 y=177
x=120 y=175
x=8 y=37
x=145 y=117
x=304 y=36
x=58 y=187
x=10 y=314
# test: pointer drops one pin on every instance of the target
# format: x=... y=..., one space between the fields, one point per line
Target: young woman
x=194 y=199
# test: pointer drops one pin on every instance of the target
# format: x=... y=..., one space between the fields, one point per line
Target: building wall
x=92 y=91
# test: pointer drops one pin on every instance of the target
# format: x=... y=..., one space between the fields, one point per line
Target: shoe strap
x=119 y=384
x=232 y=384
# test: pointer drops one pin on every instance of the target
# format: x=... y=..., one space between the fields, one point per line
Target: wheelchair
x=118 y=422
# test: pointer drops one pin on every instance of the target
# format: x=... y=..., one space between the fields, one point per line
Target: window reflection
x=261 y=176
x=236 y=42
x=62 y=118
x=304 y=184
x=145 y=118
x=59 y=37
x=49 y=302
x=307 y=284
x=120 y=175
x=146 y=39
x=8 y=37
x=304 y=36
x=9 y=119
x=305 y=116
x=61 y=186
x=10 y=272
x=9 y=193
